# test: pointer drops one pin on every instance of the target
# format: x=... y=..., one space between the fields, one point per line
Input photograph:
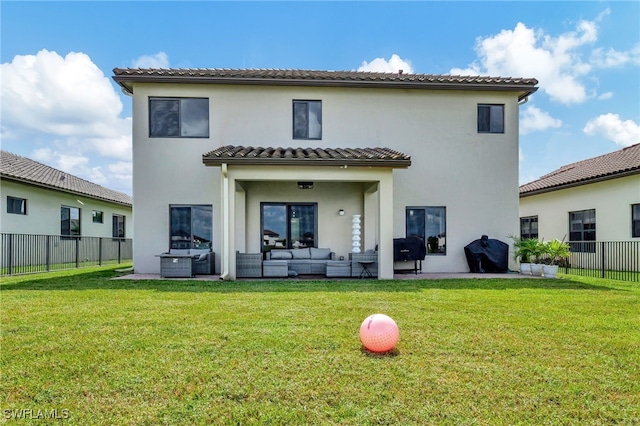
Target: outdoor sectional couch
x=303 y=260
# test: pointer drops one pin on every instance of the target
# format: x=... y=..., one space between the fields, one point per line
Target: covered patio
x=335 y=183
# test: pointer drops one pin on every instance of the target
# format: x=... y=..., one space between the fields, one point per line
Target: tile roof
x=609 y=166
x=381 y=157
x=126 y=76
x=22 y=169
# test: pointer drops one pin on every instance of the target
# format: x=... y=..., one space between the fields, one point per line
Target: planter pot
x=550 y=271
x=536 y=269
x=525 y=268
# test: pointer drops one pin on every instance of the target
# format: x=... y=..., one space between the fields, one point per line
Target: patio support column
x=385 y=226
x=228 y=261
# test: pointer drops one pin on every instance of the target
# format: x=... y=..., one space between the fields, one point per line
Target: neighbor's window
x=16 y=205
x=582 y=230
x=117 y=229
x=529 y=227
x=69 y=221
x=179 y=117
x=287 y=225
x=635 y=220
x=430 y=224
x=307 y=119
x=191 y=226
x=490 y=118
x=97 y=216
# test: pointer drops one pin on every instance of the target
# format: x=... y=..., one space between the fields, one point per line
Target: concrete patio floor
x=403 y=276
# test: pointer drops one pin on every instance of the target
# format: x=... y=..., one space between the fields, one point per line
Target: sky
x=61 y=107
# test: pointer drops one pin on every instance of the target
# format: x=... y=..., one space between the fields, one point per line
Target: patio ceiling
x=371 y=157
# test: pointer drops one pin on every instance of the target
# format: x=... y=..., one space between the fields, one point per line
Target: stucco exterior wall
x=475 y=176
x=612 y=200
x=43 y=212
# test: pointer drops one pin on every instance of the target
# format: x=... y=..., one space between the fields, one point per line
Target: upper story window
x=490 y=118
x=97 y=216
x=16 y=205
x=635 y=220
x=529 y=227
x=117 y=229
x=307 y=119
x=69 y=221
x=178 y=117
x=428 y=223
x=582 y=228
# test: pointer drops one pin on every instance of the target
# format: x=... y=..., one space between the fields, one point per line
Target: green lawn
x=77 y=344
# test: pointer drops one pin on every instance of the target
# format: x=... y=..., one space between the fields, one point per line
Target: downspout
x=523 y=101
x=225 y=223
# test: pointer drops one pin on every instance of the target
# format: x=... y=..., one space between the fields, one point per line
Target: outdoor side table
x=366 y=273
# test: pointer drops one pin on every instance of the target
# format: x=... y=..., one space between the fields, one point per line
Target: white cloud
x=557 y=62
x=393 y=65
x=68 y=102
x=612 y=58
x=605 y=96
x=159 y=60
x=534 y=119
x=610 y=126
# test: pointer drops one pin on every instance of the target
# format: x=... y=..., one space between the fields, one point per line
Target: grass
x=503 y=351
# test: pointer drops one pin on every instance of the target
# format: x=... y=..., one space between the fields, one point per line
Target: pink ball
x=379 y=333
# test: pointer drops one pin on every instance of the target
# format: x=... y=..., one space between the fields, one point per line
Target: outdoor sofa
x=302 y=261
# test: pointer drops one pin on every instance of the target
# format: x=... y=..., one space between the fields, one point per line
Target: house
x=236 y=158
x=38 y=199
x=597 y=199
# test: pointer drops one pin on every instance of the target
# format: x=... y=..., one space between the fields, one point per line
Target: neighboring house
x=597 y=199
x=428 y=155
x=38 y=199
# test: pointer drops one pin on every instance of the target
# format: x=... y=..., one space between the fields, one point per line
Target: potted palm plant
x=556 y=252
x=524 y=249
x=538 y=249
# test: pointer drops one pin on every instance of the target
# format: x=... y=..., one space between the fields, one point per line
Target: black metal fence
x=28 y=253
x=618 y=260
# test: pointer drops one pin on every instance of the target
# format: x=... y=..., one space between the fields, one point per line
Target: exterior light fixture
x=305 y=185
x=341 y=212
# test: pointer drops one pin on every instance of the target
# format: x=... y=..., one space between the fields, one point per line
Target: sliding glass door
x=288 y=225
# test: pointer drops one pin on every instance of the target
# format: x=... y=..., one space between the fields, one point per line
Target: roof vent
x=400 y=72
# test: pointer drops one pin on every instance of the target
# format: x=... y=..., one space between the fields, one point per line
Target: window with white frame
x=430 y=224
x=178 y=117
x=307 y=119
x=490 y=118
x=16 y=205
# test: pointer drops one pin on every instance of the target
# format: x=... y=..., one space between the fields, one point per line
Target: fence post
x=47 y=255
x=77 y=252
x=10 y=254
x=100 y=251
x=602 y=268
